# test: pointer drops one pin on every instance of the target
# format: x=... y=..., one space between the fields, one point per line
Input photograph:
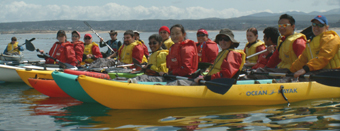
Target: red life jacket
x=64 y=52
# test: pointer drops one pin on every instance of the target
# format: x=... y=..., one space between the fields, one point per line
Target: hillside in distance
x=258 y=20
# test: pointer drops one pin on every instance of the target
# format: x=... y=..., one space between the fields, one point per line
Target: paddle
x=88 y=25
x=20 y=62
x=326 y=78
x=61 y=64
x=29 y=45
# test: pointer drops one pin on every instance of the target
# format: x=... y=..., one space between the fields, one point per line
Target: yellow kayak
x=119 y=95
x=25 y=74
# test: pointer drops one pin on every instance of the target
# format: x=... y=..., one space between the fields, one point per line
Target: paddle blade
x=29 y=45
x=330 y=78
x=308 y=32
x=220 y=85
x=203 y=65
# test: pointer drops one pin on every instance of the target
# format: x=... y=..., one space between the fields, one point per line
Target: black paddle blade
x=330 y=78
x=308 y=32
x=203 y=65
x=220 y=85
x=29 y=45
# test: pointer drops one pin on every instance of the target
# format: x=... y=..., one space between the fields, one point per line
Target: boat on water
x=47 y=87
x=119 y=95
x=11 y=57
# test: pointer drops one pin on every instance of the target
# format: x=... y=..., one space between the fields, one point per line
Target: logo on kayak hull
x=265 y=92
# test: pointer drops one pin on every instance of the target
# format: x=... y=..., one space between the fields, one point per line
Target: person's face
x=266 y=40
x=13 y=41
x=224 y=42
x=136 y=36
x=128 y=39
x=251 y=37
x=87 y=40
x=285 y=28
x=61 y=38
x=201 y=37
x=317 y=30
x=177 y=35
x=165 y=35
x=154 y=45
x=113 y=36
x=75 y=37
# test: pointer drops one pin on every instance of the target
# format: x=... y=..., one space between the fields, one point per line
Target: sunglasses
x=283 y=25
x=112 y=34
x=224 y=38
x=153 y=43
x=74 y=36
x=201 y=35
x=87 y=38
x=319 y=25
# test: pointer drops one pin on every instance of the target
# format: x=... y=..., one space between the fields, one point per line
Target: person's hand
x=299 y=72
x=198 y=79
x=161 y=73
x=16 y=47
x=101 y=40
x=41 y=51
x=207 y=70
x=89 y=56
x=270 y=49
x=108 y=57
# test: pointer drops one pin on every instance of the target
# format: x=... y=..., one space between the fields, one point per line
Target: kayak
x=119 y=95
x=47 y=87
x=13 y=57
x=25 y=74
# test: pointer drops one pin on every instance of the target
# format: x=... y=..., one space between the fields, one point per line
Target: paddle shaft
x=257 y=53
x=66 y=65
x=26 y=42
x=88 y=25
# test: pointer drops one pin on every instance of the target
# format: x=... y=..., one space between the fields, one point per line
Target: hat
x=112 y=32
x=322 y=19
x=87 y=35
x=230 y=34
x=61 y=32
x=164 y=28
x=135 y=31
x=75 y=32
x=202 y=31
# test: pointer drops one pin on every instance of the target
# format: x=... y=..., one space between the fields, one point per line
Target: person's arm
x=274 y=60
x=79 y=51
x=187 y=55
x=137 y=53
x=211 y=52
x=230 y=66
x=96 y=52
x=21 y=48
x=101 y=43
x=300 y=62
x=299 y=45
x=261 y=60
x=5 y=51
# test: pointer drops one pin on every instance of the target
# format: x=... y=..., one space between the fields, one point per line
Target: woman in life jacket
x=78 y=46
x=91 y=50
x=253 y=46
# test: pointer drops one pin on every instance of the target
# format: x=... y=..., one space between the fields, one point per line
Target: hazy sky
x=38 y=10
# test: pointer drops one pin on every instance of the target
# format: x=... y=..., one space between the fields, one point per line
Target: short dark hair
x=14 y=39
x=129 y=32
x=159 y=39
x=272 y=33
x=179 y=26
x=289 y=17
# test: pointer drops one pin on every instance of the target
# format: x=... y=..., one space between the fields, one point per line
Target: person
x=207 y=49
x=229 y=62
x=289 y=46
x=141 y=42
x=157 y=61
x=13 y=47
x=253 y=46
x=164 y=31
x=91 y=50
x=114 y=43
x=62 y=50
x=270 y=37
x=78 y=46
x=131 y=49
x=322 y=51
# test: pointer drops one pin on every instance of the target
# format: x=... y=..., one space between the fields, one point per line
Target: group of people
x=173 y=54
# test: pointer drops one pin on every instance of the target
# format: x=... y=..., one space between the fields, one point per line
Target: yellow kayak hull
x=25 y=74
x=119 y=95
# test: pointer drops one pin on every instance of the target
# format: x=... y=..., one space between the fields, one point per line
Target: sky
x=40 y=10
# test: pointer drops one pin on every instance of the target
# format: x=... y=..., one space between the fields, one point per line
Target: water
x=23 y=108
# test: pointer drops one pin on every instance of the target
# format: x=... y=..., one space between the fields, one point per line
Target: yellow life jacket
x=125 y=53
x=313 y=48
x=168 y=43
x=88 y=50
x=216 y=67
x=252 y=50
x=158 y=61
x=286 y=52
x=11 y=47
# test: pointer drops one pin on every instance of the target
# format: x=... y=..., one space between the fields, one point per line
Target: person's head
x=87 y=38
x=13 y=40
x=155 y=42
x=226 y=39
x=61 y=36
x=128 y=37
x=202 y=35
x=75 y=36
x=164 y=31
x=252 y=35
x=319 y=24
x=136 y=35
x=286 y=25
x=177 y=33
x=270 y=36
x=113 y=34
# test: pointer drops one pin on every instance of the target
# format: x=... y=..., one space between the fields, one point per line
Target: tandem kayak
x=119 y=95
x=12 y=57
x=25 y=74
x=47 y=87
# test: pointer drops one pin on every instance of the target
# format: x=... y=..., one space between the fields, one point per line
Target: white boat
x=12 y=57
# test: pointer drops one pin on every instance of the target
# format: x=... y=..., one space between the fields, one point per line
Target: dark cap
x=230 y=34
x=61 y=32
x=112 y=32
x=75 y=32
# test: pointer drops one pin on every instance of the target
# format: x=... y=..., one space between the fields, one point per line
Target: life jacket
x=252 y=50
x=286 y=52
x=158 y=61
x=216 y=67
x=313 y=49
x=59 y=51
x=168 y=43
x=125 y=53
x=114 y=45
x=11 y=48
x=88 y=50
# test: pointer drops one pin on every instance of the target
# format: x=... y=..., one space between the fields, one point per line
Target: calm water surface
x=23 y=108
